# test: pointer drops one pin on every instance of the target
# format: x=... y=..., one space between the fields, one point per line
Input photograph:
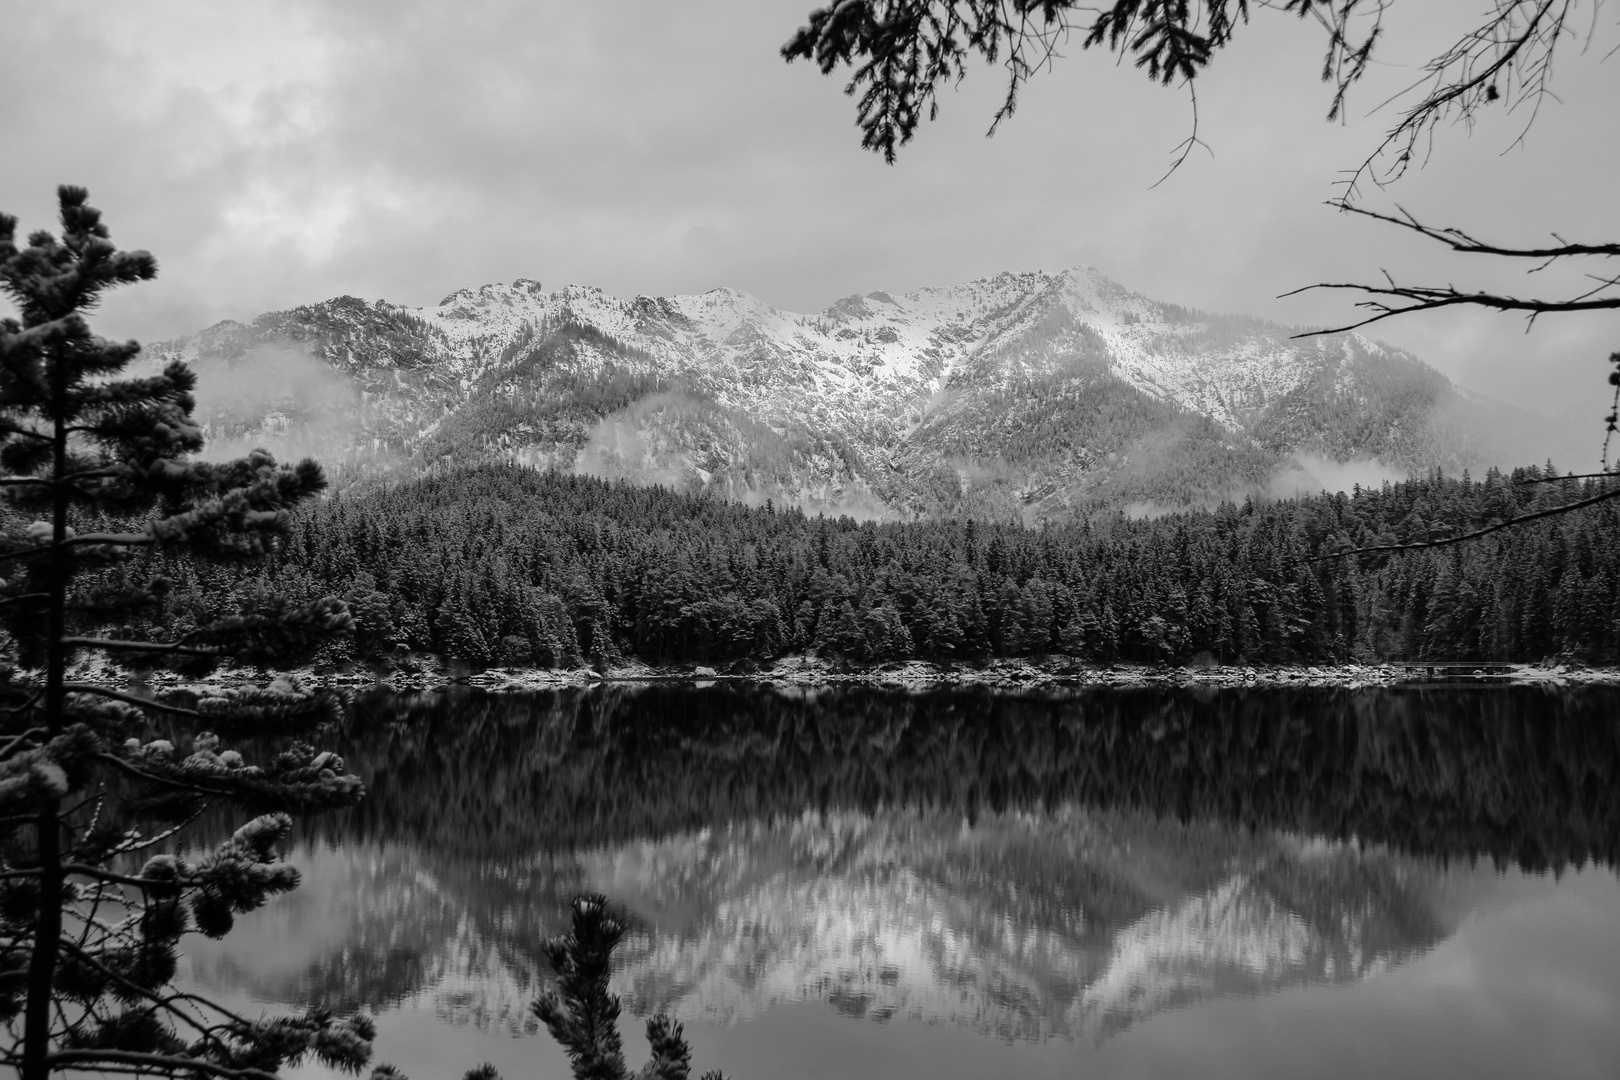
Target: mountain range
x=1024 y=395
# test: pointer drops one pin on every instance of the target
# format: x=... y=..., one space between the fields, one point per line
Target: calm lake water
x=858 y=883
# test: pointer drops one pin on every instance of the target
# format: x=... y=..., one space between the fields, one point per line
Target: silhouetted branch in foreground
x=1521 y=519
x=583 y=1015
x=1392 y=299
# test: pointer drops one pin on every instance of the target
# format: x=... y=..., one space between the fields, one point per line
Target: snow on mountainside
x=1022 y=394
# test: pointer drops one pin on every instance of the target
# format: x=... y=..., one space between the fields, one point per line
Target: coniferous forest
x=503 y=565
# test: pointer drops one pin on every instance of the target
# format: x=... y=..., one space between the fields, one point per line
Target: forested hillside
x=500 y=564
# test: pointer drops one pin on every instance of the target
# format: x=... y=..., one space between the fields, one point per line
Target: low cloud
x=629 y=444
x=1148 y=510
x=281 y=399
x=686 y=442
x=853 y=502
x=1312 y=474
x=1299 y=475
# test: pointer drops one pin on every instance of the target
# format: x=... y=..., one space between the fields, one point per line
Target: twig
x=124 y=766
x=131 y=699
x=157 y=1062
x=140 y=646
x=126 y=847
x=100 y=539
x=1185 y=147
x=158 y=1002
x=1571 y=476
x=25 y=706
x=1458 y=240
x=16 y=740
x=1500 y=525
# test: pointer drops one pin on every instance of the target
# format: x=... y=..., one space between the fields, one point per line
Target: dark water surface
x=861 y=883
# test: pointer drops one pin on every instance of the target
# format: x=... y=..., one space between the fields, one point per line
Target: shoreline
x=423 y=673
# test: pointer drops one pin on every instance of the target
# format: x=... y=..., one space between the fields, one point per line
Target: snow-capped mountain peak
x=1023 y=393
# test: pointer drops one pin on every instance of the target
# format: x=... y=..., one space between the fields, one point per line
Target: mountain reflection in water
x=1032 y=867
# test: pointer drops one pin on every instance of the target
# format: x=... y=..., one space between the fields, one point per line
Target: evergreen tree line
x=502 y=565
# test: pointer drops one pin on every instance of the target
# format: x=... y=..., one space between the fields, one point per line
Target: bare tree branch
x=1569 y=476
x=1184 y=148
x=1432 y=298
x=1486 y=531
x=1458 y=240
x=1391 y=299
x=1508 y=57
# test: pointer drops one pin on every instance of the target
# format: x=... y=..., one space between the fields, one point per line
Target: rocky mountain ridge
x=1022 y=395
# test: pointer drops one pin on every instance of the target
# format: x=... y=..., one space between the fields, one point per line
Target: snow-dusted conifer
x=95 y=470
x=583 y=1014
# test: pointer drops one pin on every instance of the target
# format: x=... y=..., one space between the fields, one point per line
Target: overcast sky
x=272 y=154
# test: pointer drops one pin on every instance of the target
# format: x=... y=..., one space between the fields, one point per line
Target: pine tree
x=847 y=639
x=583 y=1015
x=100 y=486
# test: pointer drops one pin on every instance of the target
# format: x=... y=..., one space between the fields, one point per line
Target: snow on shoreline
x=1041 y=673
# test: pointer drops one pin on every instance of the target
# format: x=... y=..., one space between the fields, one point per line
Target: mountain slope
x=1018 y=395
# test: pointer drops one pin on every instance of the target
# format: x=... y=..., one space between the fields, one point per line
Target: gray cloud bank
x=276 y=153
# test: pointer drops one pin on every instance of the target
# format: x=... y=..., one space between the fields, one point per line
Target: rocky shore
x=422 y=672
x=1064 y=671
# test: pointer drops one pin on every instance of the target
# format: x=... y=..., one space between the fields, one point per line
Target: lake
x=865 y=883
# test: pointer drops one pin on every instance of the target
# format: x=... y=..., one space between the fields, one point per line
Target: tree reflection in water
x=1032 y=866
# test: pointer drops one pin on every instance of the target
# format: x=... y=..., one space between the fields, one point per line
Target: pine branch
x=152 y=778
x=151 y=841
x=75 y=435
x=68 y=478
x=155 y=1062
x=142 y=883
x=162 y=1001
x=16 y=741
x=116 y=645
x=583 y=1014
x=33 y=699
x=98 y=539
x=130 y=699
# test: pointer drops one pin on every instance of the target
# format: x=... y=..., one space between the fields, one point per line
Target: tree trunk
x=48 y=928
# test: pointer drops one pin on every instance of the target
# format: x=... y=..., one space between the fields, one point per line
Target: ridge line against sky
x=1049 y=277
x=278 y=154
